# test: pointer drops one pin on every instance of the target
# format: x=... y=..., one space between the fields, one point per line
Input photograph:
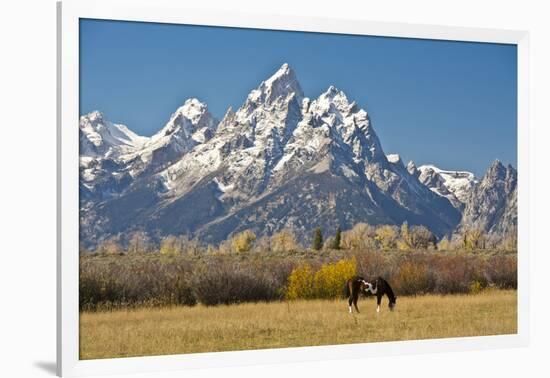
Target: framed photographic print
x=275 y=189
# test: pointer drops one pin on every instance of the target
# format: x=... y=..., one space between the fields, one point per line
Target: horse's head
x=392 y=304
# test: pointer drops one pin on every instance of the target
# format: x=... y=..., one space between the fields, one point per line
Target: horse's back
x=350 y=285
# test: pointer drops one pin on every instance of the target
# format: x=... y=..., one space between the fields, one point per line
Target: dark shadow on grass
x=47 y=366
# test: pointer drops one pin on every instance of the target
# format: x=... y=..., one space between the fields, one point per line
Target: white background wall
x=27 y=185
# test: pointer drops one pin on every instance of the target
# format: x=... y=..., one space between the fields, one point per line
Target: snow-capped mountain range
x=456 y=186
x=281 y=160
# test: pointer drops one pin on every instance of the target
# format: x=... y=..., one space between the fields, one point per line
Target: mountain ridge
x=240 y=171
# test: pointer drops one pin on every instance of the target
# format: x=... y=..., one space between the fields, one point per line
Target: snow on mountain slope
x=248 y=143
x=454 y=185
x=102 y=138
x=281 y=160
x=190 y=125
x=102 y=145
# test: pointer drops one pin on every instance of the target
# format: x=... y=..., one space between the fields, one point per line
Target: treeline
x=362 y=236
x=158 y=280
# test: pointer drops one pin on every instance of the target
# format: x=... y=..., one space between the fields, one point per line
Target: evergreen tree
x=317 y=239
x=337 y=238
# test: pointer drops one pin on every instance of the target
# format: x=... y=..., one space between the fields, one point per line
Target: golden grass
x=176 y=330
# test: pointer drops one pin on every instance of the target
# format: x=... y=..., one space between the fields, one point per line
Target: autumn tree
x=416 y=237
x=422 y=238
x=510 y=240
x=284 y=241
x=110 y=246
x=387 y=237
x=139 y=242
x=361 y=236
x=263 y=244
x=243 y=241
x=170 y=246
x=473 y=238
x=444 y=244
x=405 y=243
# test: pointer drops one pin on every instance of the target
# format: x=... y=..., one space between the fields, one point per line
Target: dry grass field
x=177 y=330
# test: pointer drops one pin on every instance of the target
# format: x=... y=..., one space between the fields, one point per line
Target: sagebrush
x=147 y=280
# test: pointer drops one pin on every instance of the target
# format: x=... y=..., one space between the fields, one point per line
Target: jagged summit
x=492 y=204
x=94 y=116
x=496 y=170
x=192 y=116
x=281 y=84
x=411 y=168
x=194 y=110
x=100 y=137
x=333 y=97
x=190 y=125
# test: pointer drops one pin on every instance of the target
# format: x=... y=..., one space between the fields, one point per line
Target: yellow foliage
x=284 y=241
x=403 y=246
x=327 y=282
x=476 y=287
x=300 y=283
x=473 y=238
x=331 y=278
x=170 y=246
x=444 y=244
x=386 y=236
x=242 y=242
x=361 y=236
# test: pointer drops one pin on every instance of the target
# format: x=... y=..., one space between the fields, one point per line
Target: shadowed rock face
x=492 y=205
x=279 y=161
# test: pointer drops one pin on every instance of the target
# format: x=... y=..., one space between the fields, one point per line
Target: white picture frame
x=172 y=11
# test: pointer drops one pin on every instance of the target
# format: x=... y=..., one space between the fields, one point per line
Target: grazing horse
x=377 y=287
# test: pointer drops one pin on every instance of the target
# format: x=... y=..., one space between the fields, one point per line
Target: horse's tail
x=347 y=288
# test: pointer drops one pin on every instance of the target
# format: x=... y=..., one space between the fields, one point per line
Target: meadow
x=139 y=304
x=193 y=329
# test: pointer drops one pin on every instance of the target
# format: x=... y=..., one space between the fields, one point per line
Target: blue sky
x=448 y=103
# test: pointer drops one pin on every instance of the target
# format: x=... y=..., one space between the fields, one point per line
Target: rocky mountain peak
x=335 y=100
x=280 y=161
x=496 y=171
x=94 y=117
x=411 y=168
x=492 y=204
x=281 y=85
x=193 y=115
x=100 y=137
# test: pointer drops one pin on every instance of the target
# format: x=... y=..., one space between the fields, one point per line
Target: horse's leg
x=350 y=301
x=355 y=298
x=378 y=300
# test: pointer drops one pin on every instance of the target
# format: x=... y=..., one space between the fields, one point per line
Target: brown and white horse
x=378 y=287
